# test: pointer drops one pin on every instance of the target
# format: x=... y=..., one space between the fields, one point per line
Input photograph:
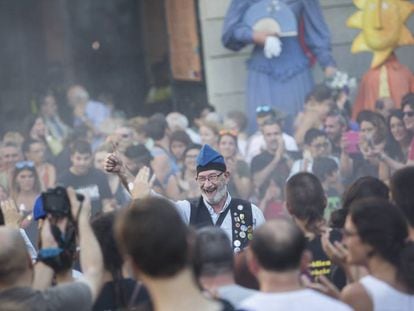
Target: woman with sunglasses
x=240 y=184
x=376 y=236
x=25 y=189
x=398 y=143
x=25 y=185
x=407 y=107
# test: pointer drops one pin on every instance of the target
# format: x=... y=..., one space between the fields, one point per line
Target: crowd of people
x=166 y=213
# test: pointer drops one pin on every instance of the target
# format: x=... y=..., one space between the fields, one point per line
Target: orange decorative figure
x=383 y=30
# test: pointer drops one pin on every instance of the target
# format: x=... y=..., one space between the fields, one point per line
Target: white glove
x=273 y=47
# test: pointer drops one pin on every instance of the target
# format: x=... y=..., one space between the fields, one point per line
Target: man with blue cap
x=238 y=218
x=216 y=207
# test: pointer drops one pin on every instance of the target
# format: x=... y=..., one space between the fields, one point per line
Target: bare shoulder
x=357 y=297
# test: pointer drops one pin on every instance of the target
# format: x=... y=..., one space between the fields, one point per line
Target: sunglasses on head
x=263 y=109
x=24 y=164
x=233 y=133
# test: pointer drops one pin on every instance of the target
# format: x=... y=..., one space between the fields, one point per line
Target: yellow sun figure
x=383 y=27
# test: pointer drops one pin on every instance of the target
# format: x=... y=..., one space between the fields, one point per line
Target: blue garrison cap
x=38 y=210
x=210 y=159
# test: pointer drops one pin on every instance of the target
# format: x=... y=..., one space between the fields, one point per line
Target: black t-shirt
x=263 y=159
x=94 y=184
x=361 y=168
x=321 y=264
x=130 y=292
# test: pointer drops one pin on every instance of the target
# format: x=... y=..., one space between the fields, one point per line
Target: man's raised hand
x=113 y=163
x=142 y=183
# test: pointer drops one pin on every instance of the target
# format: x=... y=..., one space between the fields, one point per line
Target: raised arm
x=91 y=259
x=113 y=164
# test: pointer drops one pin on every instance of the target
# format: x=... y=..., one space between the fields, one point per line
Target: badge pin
x=250 y=236
x=241 y=216
x=240 y=207
x=242 y=235
x=237 y=243
x=243 y=228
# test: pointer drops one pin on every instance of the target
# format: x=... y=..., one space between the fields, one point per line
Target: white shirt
x=386 y=298
x=235 y=293
x=298 y=300
x=184 y=209
x=195 y=137
x=257 y=144
x=298 y=166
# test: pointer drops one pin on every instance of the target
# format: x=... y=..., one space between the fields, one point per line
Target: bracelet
x=55 y=258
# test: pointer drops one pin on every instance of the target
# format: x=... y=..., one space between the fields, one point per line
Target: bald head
x=278 y=245
x=13 y=256
x=212 y=253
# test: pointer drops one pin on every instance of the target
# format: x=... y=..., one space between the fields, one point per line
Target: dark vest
x=241 y=218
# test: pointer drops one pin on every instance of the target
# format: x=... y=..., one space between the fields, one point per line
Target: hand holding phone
x=352 y=142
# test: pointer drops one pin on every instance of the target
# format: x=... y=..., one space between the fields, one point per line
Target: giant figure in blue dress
x=282 y=81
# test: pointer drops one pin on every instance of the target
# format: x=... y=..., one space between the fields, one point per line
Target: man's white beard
x=221 y=192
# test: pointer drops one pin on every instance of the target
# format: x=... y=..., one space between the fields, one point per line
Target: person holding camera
x=28 y=287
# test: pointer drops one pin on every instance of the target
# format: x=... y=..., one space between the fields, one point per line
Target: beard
x=220 y=194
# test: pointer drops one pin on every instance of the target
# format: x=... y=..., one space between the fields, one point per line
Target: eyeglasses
x=263 y=109
x=213 y=178
x=233 y=133
x=24 y=164
x=408 y=113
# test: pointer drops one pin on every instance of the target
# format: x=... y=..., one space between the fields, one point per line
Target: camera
x=56 y=202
